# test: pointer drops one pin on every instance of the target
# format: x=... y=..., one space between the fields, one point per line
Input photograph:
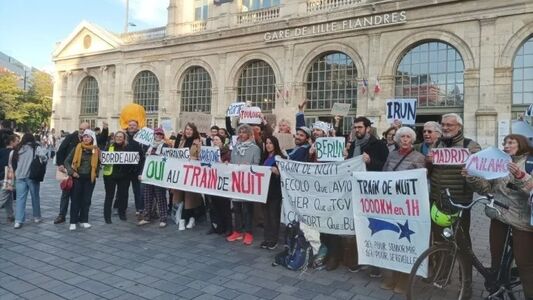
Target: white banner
x=330 y=149
x=234 y=109
x=209 y=155
x=490 y=163
x=401 y=109
x=392 y=221
x=145 y=136
x=319 y=194
x=179 y=153
x=450 y=156
x=119 y=158
x=250 y=115
x=243 y=182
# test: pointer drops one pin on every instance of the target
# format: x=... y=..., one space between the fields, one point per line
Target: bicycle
x=445 y=261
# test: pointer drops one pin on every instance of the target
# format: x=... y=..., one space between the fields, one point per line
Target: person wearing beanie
x=83 y=164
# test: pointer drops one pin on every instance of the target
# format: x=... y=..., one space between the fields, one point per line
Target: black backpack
x=298 y=253
x=37 y=168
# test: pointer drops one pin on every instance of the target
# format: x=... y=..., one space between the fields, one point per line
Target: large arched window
x=331 y=79
x=196 y=90
x=146 y=91
x=523 y=74
x=89 y=97
x=433 y=73
x=257 y=83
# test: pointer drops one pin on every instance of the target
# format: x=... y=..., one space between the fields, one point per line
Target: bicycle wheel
x=445 y=274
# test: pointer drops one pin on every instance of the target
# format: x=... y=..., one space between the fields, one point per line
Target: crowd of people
x=77 y=156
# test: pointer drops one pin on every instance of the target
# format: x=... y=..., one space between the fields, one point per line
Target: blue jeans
x=22 y=187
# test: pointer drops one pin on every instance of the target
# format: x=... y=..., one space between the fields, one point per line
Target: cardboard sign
x=340 y=109
x=330 y=149
x=167 y=126
x=450 y=156
x=245 y=182
x=179 y=153
x=250 y=115
x=319 y=194
x=209 y=155
x=490 y=163
x=401 y=109
x=392 y=220
x=119 y=158
x=234 y=109
x=145 y=136
x=201 y=120
x=286 y=140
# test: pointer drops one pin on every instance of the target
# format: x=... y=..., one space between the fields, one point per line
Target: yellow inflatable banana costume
x=132 y=112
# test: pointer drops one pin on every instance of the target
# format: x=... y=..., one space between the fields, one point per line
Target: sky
x=30 y=29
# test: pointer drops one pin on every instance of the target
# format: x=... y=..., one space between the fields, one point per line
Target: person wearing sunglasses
x=431 y=133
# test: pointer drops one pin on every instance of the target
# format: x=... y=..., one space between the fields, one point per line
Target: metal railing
x=256 y=16
x=325 y=5
x=144 y=35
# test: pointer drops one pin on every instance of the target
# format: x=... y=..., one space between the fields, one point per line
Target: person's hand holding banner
x=490 y=163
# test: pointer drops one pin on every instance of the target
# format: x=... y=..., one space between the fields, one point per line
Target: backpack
x=297 y=253
x=37 y=168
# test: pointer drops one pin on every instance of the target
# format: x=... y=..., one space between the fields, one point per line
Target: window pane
x=523 y=74
x=146 y=91
x=89 y=97
x=432 y=72
x=257 y=83
x=196 y=91
x=331 y=79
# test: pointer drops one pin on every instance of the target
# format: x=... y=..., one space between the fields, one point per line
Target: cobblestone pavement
x=123 y=261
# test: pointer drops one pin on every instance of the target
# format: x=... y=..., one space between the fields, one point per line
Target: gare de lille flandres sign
x=372 y=21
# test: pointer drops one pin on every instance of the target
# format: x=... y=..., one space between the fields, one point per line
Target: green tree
x=10 y=95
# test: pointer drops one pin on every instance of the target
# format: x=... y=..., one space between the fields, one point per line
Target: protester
x=245 y=152
x=388 y=138
x=117 y=178
x=7 y=176
x=65 y=148
x=220 y=212
x=431 y=134
x=152 y=194
x=374 y=154
x=191 y=201
x=134 y=146
x=514 y=191
x=83 y=164
x=213 y=132
x=102 y=136
x=272 y=208
x=284 y=126
x=5 y=131
x=449 y=176
x=401 y=159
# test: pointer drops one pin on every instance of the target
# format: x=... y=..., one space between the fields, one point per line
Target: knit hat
x=322 y=126
x=305 y=129
x=91 y=134
x=159 y=131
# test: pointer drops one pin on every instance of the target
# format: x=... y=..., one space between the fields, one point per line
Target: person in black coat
x=134 y=146
x=5 y=132
x=69 y=143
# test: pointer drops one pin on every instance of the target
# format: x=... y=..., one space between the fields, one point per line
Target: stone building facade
x=472 y=57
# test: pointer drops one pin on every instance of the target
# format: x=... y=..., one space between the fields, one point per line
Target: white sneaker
x=72 y=227
x=37 y=220
x=191 y=223
x=181 y=225
x=143 y=222
x=17 y=225
x=162 y=224
x=85 y=225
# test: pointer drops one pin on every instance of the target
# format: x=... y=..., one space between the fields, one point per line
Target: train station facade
x=471 y=57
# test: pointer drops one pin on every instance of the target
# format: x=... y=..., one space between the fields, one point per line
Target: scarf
x=243 y=146
x=76 y=161
x=157 y=146
x=449 y=142
x=359 y=144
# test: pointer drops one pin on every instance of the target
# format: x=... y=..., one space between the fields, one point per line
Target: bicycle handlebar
x=488 y=199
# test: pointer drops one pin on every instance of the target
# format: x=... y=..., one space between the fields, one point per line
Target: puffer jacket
x=449 y=176
x=510 y=191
